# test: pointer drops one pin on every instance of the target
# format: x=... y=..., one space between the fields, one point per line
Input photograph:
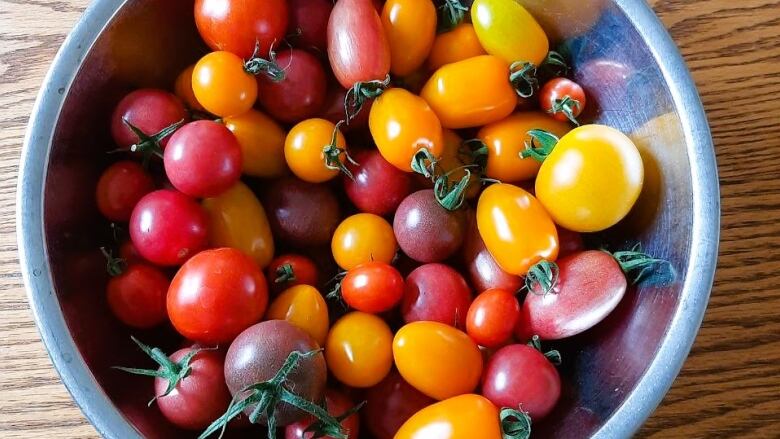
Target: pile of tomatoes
x=433 y=152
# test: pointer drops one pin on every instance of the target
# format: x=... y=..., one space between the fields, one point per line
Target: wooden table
x=730 y=385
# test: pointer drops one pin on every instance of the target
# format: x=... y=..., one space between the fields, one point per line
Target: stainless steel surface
x=614 y=376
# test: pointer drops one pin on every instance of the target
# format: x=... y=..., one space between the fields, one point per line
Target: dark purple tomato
x=391 y=403
x=149 y=110
x=377 y=187
x=437 y=293
x=484 y=273
x=258 y=353
x=337 y=404
x=569 y=242
x=300 y=94
x=203 y=159
x=520 y=376
x=137 y=296
x=167 y=227
x=302 y=214
x=119 y=189
x=309 y=22
x=333 y=109
x=425 y=230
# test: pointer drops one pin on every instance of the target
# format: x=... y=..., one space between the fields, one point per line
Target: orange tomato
x=456 y=45
x=362 y=238
x=305 y=150
x=221 y=85
x=471 y=93
x=410 y=27
x=304 y=307
x=262 y=144
x=359 y=349
x=467 y=416
x=183 y=89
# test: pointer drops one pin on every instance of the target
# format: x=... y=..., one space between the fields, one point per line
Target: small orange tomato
x=507 y=138
x=453 y=160
x=262 y=144
x=517 y=231
x=471 y=93
x=410 y=27
x=308 y=147
x=304 y=307
x=437 y=359
x=467 y=416
x=221 y=85
x=362 y=238
x=183 y=89
x=401 y=124
x=359 y=349
x=456 y=45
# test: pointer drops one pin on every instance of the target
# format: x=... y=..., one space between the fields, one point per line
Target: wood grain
x=730 y=385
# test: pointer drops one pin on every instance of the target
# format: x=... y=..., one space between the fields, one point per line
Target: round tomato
x=309 y=23
x=289 y=270
x=222 y=86
x=438 y=293
x=455 y=45
x=262 y=144
x=359 y=349
x=390 y=403
x=425 y=230
x=377 y=186
x=357 y=46
x=315 y=150
x=183 y=89
x=119 y=189
x=150 y=110
x=362 y=238
x=300 y=94
x=301 y=214
x=563 y=98
x=467 y=416
x=304 y=307
x=410 y=27
x=240 y=26
x=373 y=287
x=337 y=404
x=492 y=317
x=137 y=296
x=507 y=30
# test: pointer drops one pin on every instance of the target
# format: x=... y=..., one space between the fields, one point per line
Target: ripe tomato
x=467 y=416
x=516 y=229
x=359 y=349
x=438 y=293
x=592 y=178
x=362 y=238
x=357 y=46
x=471 y=93
x=222 y=86
x=129 y=254
x=304 y=307
x=437 y=359
x=337 y=404
x=563 y=98
x=262 y=144
x=137 y=296
x=288 y=270
x=401 y=124
x=148 y=109
x=507 y=30
x=492 y=317
x=302 y=214
x=410 y=27
x=237 y=26
x=215 y=295
x=183 y=89
x=302 y=91
x=426 y=231
x=390 y=403
x=119 y=189
x=237 y=220
x=484 y=272
x=377 y=187
x=309 y=23
x=373 y=287
x=455 y=45
x=305 y=150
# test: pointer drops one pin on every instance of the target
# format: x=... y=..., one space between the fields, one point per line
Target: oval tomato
x=262 y=144
x=363 y=238
x=304 y=307
x=120 y=187
x=309 y=23
x=492 y=317
x=506 y=29
x=222 y=86
x=410 y=27
x=455 y=45
x=237 y=26
x=373 y=287
x=304 y=150
x=467 y=416
x=359 y=349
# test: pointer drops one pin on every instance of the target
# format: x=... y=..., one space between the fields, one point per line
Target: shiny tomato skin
x=288 y=203
x=215 y=295
x=262 y=144
x=337 y=404
x=309 y=23
x=149 y=110
x=120 y=187
x=303 y=149
x=492 y=317
x=556 y=90
x=167 y=227
x=455 y=45
x=237 y=26
x=520 y=376
x=377 y=187
x=484 y=272
x=390 y=403
x=300 y=94
x=137 y=296
x=304 y=307
x=466 y=416
x=373 y=287
x=438 y=293
x=304 y=270
x=222 y=86
x=410 y=27
x=359 y=349
x=361 y=238
x=507 y=30
x=426 y=231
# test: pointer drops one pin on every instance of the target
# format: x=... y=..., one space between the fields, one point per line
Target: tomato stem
x=451 y=14
x=320 y=429
x=555 y=64
x=114 y=266
x=424 y=163
x=553 y=355
x=567 y=106
x=540 y=145
x=451 y=197
x=515 y=424
x=639 y=267
x=522 y=76
x=256 y=65
x=362 y=92
x=477 y=151
x=284 y=274
x=332 y=154
x=148 y=145
x=542 y=277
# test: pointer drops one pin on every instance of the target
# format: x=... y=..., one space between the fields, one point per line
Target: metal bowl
x=614 y=375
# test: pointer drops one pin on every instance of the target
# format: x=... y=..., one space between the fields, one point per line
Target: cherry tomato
x=237 y=220
x=119 y=189
x=357 y=46
x=471 y=93
x=288 y=270
x=167 y=227
x=237 y=26
x=359 y=349
x=592 y=178
x=453 y=161
x=373 y=287
x=302 y=91
x=215 y=295
x=337 y=405
x=569 y=242
x=410 y=27
x=401 y=124
x=362 y=238
x=309 y=23
x=520 y=376
x=426 y=231
x=390 y=403
x=183 y=89
x=333 y=110
x=437 y=359
x=436 y=292
x=492 y=317
x=148 y=109
x=304 y=150
x=304 y=307
x=455 y=45
x=262 y=144
x=516 y=229
x=377 y=186
x=302 y=214
x=222 y=86
x=137 y=296
x=563 y=98
x=507 y=139
x=129 y=254
x=203 y=159
x=467 y=416
x=507 y=30
x=484 y=272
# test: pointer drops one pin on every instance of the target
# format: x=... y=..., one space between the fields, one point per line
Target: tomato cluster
x=448 y=259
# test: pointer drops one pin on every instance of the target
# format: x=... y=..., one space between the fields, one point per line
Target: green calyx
x=515 y=424
x=320 y=429
x=476 y=151
x=257 y=65
x=522 y=76
x=554 y=356
x=114 y=266
x=334 y=293
x=555 y=64
x=147 y=145
x=641 y=268
x=332 y=153
x=542 y=277
x=284 y=274
x=360 y=93
x=451 y=14
x=540 y=145
x=424 y=163
x=568 y=106
x=449 y=195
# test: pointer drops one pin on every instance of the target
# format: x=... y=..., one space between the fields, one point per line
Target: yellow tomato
x=402 y=124
x=359 y=349
x=507 y=138
x=453 y=160
x=467 y=416
x=307 y=147
x=456 y=45
x=506 y=29
x=410 y=27
x=183 y=89
x=516 y=229
x=222 y=86
x=237 y=220
x=471 y=93
x=437 y=359
x=262 y=144
x=304 y=307
x=592 y=178
x=362 y=238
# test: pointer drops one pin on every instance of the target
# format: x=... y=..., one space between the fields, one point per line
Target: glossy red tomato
x=377 y=186
x=436 y=292
x=492 y=317
x=137 y=296
x=563 y=98
x=337 y=404
x=167 y=227
x=237 y=26
x=300 y=94
x=119 y=189
x=309 y=23
x=203 y=159
x=147 y=109
x=390 y=403
x=289 y=270
x=373 y=287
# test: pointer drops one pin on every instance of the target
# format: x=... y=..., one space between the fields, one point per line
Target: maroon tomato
x=569 y=242
x=520 y=376
x=300 y=213
x=391 y=403
x=483 y=270
x=357 y=46
x=333 y=110
x=203 y=159
x=300 y=94
x=337 y=404
x=492 y=317
x=129 y=254
x=436 y=292
x=137 y=296
x=563 y=98
x=373 y=287
x=167 y=227
x=216 y=295
x=309 y=22
x=377 y=187
x=119 y=189
x=237 y=26
x=426 y=231
x=147 y=109
x=289 y=270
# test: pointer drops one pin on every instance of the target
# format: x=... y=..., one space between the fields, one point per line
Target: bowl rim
x=111 y=423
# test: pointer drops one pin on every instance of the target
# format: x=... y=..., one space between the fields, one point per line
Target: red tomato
x=119 y=189
x=492 y=317
x=203 y=159
x=569 y=242
x=436 y=292
x=289 y=270
x=390 y=403
x=300 y=94
x=167 y=227
x=216 y=295
x=129 y=254
x=309 y=23
x=337 y=404
x=484 y=272
x=377 y=187
x=148 y=109
x=373 y=287
x=563 y=98
x=137 y=296
x=237 y=26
